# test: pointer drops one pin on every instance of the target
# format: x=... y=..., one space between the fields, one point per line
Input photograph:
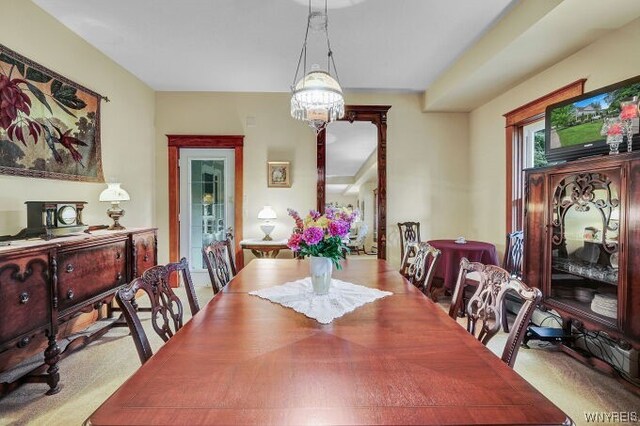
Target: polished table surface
x=398 y=360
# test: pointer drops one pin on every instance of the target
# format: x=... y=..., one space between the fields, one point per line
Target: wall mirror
x=351 y=162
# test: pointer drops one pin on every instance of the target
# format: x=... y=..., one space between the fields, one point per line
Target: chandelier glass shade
x=317 y=97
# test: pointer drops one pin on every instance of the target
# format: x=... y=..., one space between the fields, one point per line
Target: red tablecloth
x=449 y=262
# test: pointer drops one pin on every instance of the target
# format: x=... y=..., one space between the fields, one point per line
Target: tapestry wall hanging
x=49 y=125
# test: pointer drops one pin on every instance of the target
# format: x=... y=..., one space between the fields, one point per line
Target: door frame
x=174 y=143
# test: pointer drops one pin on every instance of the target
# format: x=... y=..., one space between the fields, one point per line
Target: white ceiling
x=253 y=45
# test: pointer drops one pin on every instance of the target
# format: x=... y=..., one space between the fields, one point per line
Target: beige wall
x=612 y=58
x=127 y=123
x=426 y=172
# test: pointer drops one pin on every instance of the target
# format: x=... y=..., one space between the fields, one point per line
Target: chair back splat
x=514 y=253
x=166 y=308
x=409 y=233
x=420 y=268
x=218 y=257
x=486 y=307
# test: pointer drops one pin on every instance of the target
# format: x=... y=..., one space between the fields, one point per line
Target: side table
x=261 y=248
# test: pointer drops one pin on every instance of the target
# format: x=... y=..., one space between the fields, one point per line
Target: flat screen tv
x=574 y=126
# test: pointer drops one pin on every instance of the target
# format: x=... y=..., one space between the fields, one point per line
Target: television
x=573 y=127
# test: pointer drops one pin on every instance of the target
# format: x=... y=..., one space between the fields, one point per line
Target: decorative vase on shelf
x=614 y=142
x=320 y=269
x=629 y=114
x=613 y=129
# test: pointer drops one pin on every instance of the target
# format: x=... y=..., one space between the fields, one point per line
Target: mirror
x=369 y=120
x=352 y=179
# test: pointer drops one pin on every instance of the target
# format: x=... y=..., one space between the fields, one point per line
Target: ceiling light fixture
x=317 y=97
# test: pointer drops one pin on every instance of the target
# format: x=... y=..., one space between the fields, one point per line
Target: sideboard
x=44 y=284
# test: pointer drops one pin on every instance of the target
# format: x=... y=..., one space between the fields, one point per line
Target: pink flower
x=339 y=228
x=294 y=214
x=312 y=235
x=629 y=111
x=614 y=129
x=294 y=242
x=315 y=214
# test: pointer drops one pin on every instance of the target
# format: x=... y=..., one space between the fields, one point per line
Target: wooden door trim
x=376 y=114
x=175 y=142
x=525 y=114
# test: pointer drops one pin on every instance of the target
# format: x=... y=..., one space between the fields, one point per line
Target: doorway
x=182 y=145
x=207 y=203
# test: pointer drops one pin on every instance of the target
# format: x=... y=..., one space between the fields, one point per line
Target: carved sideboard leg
x=51 y=358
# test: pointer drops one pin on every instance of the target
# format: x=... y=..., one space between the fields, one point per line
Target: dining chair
x=218 y=257
x=357 y=244
x=409 y=233
x=166 y=308
x=511 y=262
x=485 y=309
x=420 y=270
x=514 y=253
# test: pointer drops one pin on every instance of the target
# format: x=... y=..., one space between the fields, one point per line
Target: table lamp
x=114 y=194
x=266 y=214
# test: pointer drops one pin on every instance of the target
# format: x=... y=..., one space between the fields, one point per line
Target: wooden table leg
x=257 y=253
x=274 y=253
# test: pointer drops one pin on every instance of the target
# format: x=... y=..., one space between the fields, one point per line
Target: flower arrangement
x=321 y=235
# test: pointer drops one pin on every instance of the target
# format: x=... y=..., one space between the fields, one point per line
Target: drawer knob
x=146 y=257
x=24 y=342
x=24 y=297
x=70 y=294
x=119 y=277
x=70 y=268
x=118 y=255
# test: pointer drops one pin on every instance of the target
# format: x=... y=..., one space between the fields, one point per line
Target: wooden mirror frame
x=376 y=114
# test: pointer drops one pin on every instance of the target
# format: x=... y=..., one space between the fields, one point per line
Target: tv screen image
x=574 y=126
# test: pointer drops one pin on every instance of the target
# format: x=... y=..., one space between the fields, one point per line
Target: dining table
x=452 y=252
x=398 y=360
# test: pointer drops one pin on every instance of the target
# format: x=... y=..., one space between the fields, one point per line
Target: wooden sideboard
x=44 y=284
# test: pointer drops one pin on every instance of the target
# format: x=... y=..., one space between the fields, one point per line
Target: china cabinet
x=582 y=243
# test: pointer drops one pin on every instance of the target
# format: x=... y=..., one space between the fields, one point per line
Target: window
x=534 y=155
x=525 y=146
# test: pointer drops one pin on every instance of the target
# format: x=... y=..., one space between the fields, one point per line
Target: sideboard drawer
x=145 y=252
x=24 y=295
x=85 y=273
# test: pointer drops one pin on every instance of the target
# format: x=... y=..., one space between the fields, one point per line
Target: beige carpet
x=89 y=376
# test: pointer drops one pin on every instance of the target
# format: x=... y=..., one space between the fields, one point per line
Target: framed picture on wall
x=278 y=174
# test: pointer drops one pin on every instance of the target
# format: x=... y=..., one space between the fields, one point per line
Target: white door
x=206 y=203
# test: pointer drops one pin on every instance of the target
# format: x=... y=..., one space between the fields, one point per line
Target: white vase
x=320 y=269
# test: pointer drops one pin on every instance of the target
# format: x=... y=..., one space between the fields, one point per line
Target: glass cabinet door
x=584 y=245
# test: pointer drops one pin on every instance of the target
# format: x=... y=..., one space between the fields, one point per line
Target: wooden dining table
x=398 y=360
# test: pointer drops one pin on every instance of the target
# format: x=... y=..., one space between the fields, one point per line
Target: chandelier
x=317 y=97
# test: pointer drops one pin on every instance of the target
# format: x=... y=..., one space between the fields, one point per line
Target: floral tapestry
x=49 y=125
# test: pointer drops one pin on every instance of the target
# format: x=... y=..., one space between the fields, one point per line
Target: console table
x=262 y=248
x=43 y=284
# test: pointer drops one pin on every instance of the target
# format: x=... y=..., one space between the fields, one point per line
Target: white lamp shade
x=114 y=193
x=267 y=212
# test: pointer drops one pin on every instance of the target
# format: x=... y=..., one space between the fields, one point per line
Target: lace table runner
x=343 y=297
